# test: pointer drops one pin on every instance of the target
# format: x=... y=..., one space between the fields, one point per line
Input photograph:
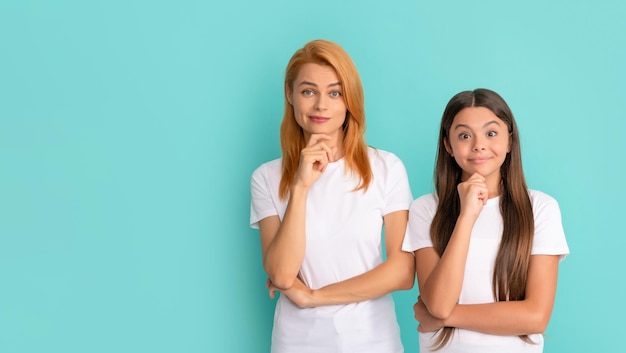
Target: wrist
x=465 y=220
x=299 y=191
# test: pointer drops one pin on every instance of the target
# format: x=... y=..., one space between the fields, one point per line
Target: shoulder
x=425 y=202
x=541 y=200
x=387 y=167
x=376 y=154
x=383 y=159
x=273 y=167
x=540 y=195
x=546 y=212
x=421 y=215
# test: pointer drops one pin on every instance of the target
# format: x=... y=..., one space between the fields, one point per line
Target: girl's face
x=479 y=142
x=317 y=100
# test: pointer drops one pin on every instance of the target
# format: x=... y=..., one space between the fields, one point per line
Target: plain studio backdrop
x=129 y=131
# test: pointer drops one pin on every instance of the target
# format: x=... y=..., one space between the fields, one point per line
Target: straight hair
x=511 y=264
x=292 y=140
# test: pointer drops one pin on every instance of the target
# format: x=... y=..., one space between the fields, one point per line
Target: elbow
x=279 y=276
x=437 y=309
x=534 y=319
x=540 y=329
x=441 y=312
x=406 y=285
x=407 y=281
x=282 y=280
x=404 y=274
x=539 y=323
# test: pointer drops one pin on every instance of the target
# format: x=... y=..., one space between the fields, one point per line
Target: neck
x=493 y=187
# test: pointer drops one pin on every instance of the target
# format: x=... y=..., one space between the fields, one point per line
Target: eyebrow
x=314 y=85
x=484 y=125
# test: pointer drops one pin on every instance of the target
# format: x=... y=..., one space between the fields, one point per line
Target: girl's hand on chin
x=473 y=194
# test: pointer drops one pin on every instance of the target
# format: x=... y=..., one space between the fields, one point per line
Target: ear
x=288 y=92
x=448 y=148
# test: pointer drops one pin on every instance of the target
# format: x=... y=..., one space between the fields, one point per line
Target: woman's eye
x=307 y=92
x=335 y=94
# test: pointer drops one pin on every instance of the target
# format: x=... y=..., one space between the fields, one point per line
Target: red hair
x=292 y=140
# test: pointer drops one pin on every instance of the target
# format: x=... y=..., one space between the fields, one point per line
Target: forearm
x=284 y=254
x=397 y=273
x=521 y=317
x=440 y=292
x=500 y=318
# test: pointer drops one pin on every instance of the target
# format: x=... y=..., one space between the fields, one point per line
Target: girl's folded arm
x=522 y=317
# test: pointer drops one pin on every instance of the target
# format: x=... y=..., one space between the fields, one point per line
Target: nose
x=479 y=144
x=321 y=103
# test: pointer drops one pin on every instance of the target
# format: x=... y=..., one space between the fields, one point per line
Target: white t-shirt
x=549 y=239
x=343 y=240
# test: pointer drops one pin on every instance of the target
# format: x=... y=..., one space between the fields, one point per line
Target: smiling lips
x=318 y=119
x=479 y=160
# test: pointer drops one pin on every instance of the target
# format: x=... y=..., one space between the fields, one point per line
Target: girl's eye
x=464 y=136
x=492 y=133
x=307 y=92
x=335 y=94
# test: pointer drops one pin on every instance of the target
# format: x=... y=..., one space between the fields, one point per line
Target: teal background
x=129 y=130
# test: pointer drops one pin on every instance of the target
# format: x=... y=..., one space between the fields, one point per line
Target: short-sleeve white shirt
x=343 y=240
x=549 y=239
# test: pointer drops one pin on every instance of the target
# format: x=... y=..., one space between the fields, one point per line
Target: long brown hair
x=511 y=265
x=292 y=141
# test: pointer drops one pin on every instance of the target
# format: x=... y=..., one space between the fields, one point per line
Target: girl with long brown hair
x=486 y=247
x=320 y=210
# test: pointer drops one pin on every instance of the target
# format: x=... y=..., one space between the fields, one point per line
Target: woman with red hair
x=321 y=209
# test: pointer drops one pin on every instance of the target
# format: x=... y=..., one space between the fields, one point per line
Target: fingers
x=473 y=194
x=314 y=159
x=271 y=289
x=479 y=183
x=317 y=156
x=318 y=146
x=415 y=314
x=418 y=308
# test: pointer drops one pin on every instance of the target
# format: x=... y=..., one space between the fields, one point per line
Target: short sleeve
x=398 y=191
x=549 y=235
x=261 y=205
x=421 y=214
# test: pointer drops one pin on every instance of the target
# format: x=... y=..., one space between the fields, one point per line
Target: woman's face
x=317 y=100
x=479 y=142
